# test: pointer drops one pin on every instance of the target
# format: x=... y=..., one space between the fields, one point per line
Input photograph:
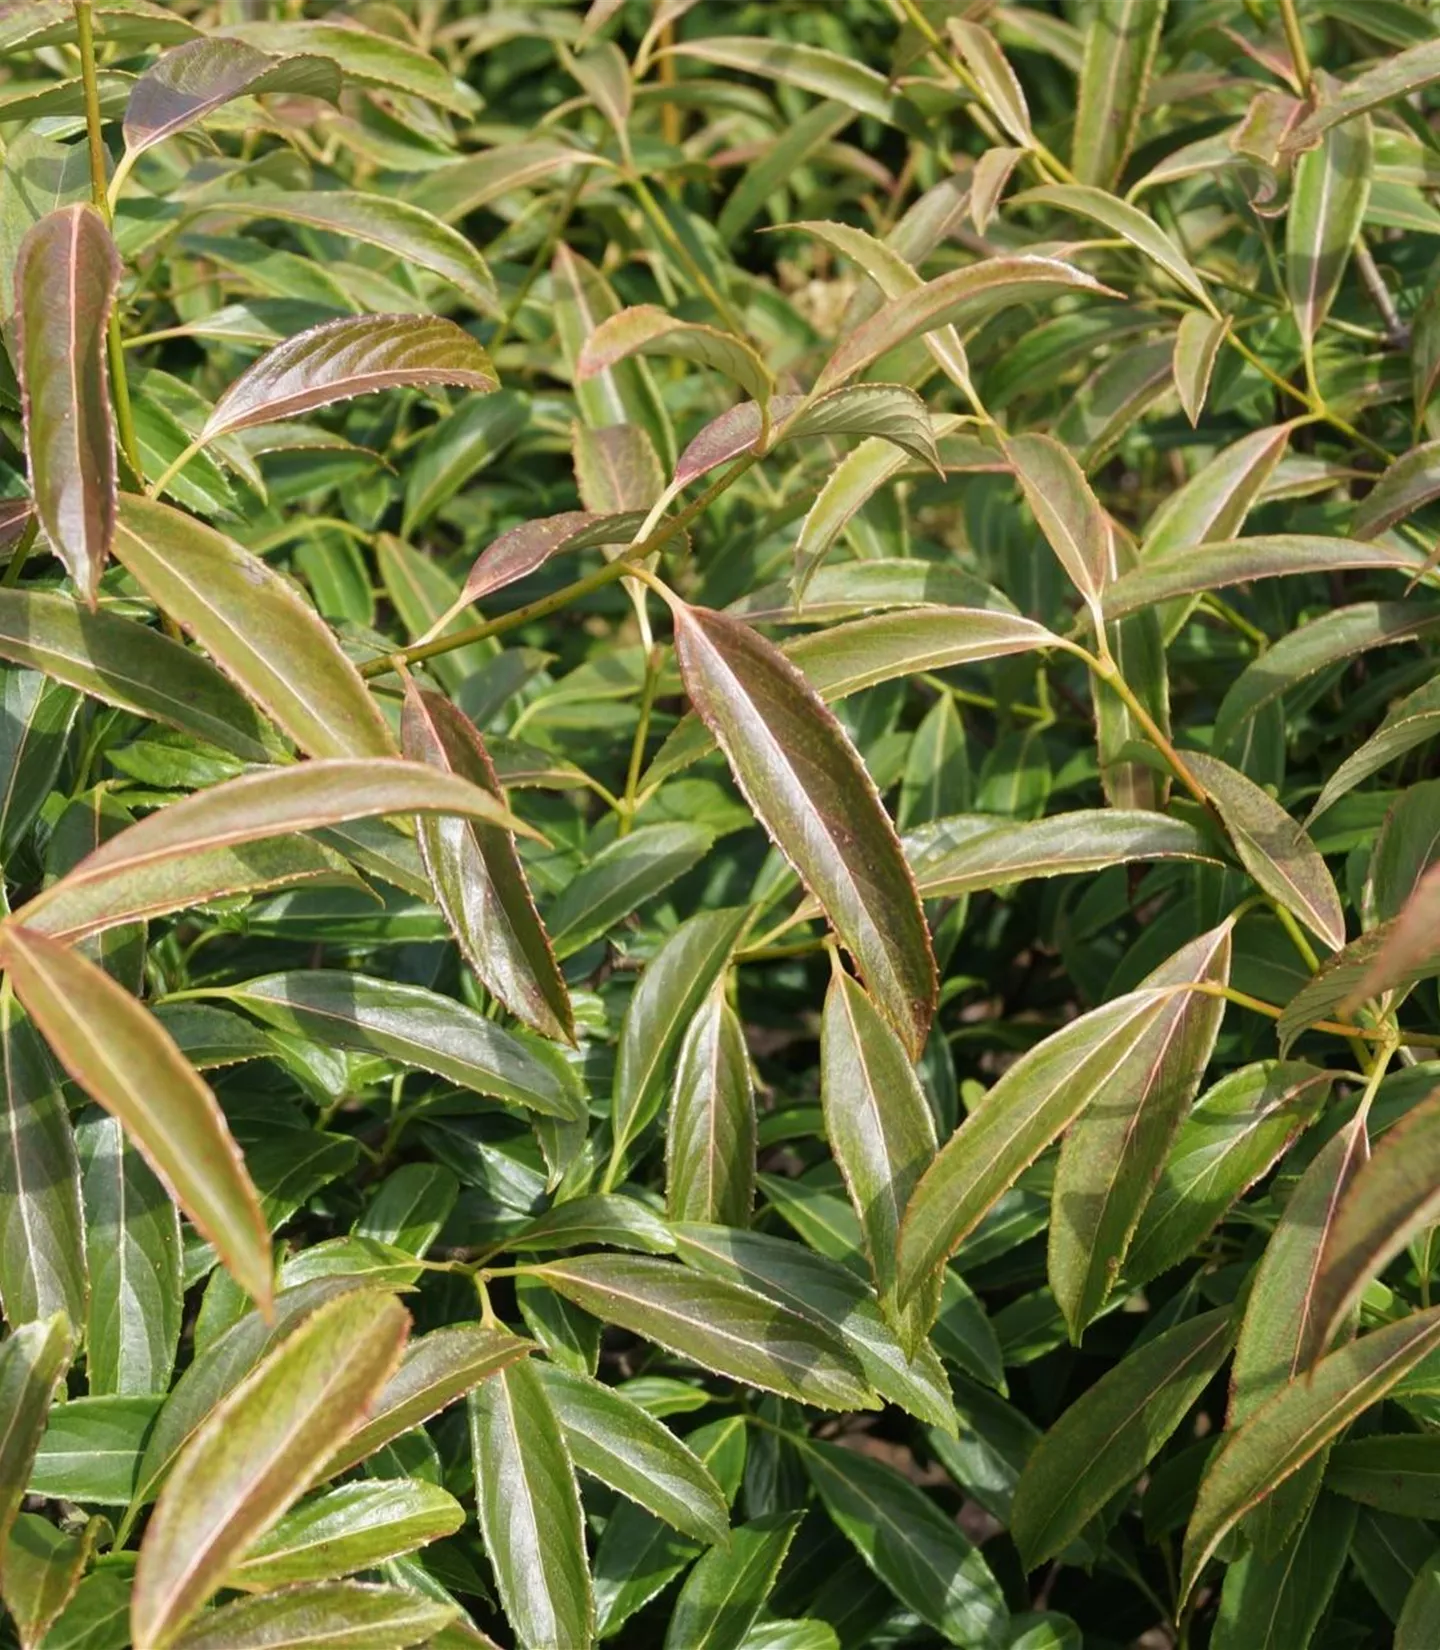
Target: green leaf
x=530 y=1511
x=33 y=1360
x=1391 y=78
x=1289 y=1428
x=126 y=664
x=66 y=273
x=997 y=81
x=805 y=781
x=1420 y=1618
x=919 y=1553
x=1122 y=219
x=1197 y=342
x=615 y=1441
x=42 y=1568
x=204 y=846
x=1277 y=1603
x=42 y=1231
x=1068 y=513
x=1273 y=848
x=728 y=1588
x=1398 y=1473
x=417 y=1027
x=353 y=1527
x=457 y=448
x=1232 y=1137
x=1408 y=723
x=132 y=1233
x=191 y=81
x=1327 y=205
x=39 y=176
x=91 y=1449
x=962 y=297
x=714 y=1323
x=1112 y=1157
x=1213 y=504
x=710 y=1136
x=1108 y=1053
x=435 y=1370
x=890 y=412
x=395 y=226
x=256 y=1451
x=1410 y=483
x=256 y=625
x=97 y=1618
x=123 y=1059
x=649 y=330
x=623 y=875
x=1108 y=1436
x=354 y=1614
x=881 y=1133
x=672 y=991
x=478 y=879
x=1121 y=39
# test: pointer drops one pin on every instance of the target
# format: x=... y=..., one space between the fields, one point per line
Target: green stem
x=537 y=263
x=115 y=347
x=624 y=565
x=168 y=474
x=1109 y=672
x=642 y=732
x=16 y=565
x=1296 y=42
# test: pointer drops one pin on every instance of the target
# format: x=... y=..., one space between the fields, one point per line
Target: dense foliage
x=722 y=891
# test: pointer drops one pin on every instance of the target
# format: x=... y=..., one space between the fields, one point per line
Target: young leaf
x=355 y=355
x=615 y=1441
x=33 y=1360
x=1121 y=39
x=806 y=783
x=190 y=81
x=65 y=279
x=124 y=1059
x=1296 y=1423
x=1107 y=1438
x=42 y=1230
x=710 y=1137
x=1112 y=1156
x=648 y=330
x=881 y=1132
x=255 y=1453
x=919 y=1553
x=256 y=626
x=477 y=876
x=1213 y=504
x=717 y=1324
x=728 y=1588
x=525 y=549
x=530 y=1511
x=1274 y=849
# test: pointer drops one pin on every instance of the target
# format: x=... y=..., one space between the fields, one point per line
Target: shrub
x=721 y=882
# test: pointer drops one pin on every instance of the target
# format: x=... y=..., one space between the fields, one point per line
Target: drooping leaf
x=255 y=1453
x=65 y=279
x=1392 y=77
x=648 y=330
x=1197 y=342
x=122 y=1057
x=997 y=80
x=1332 y=185
x=805 y=781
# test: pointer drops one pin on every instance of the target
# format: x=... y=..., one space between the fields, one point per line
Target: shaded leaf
x=727 y=1589
x=33 y=1359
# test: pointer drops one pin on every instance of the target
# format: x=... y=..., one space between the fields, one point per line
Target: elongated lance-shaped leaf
x=530 y=1515
x=1275 y=1602
x=65 y=279
x=1405 y=949
x=417 y=1027
x=1113 y=1154
x=124 y=663
x=613 y=1439
x=1122 y=219
x=351 y=1613
x=526 y=548
x=1294 y=1425
x=1327 y=205
x=1391 y=1197
x=355 y=355
x=717 y=1324
x=124 y=1059
x=1213 y=504
x=1274 y=848
x=1121 y=39
x=997 y=81
x=1197 y=342
x=195 y=849
x=479 y=882
x=1067 y=511
x=1105 y=1440
x=728 y=1588
x=255 y=1453
x=675 y=984
x=191 y=81
x=33 y=1359
x=962 y=297
x=42 y=1568
x=1107 y=1052
x=710 y=1137
x=1419 y=1621
x=648 y=330
x=1411 y=482
x=435 y=1371
x=1409 y=723
x=807 y=785
x=256 y=626
x=1391 y=78
x=904 y=1538
x=42 y=1229
x=882 y=1134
